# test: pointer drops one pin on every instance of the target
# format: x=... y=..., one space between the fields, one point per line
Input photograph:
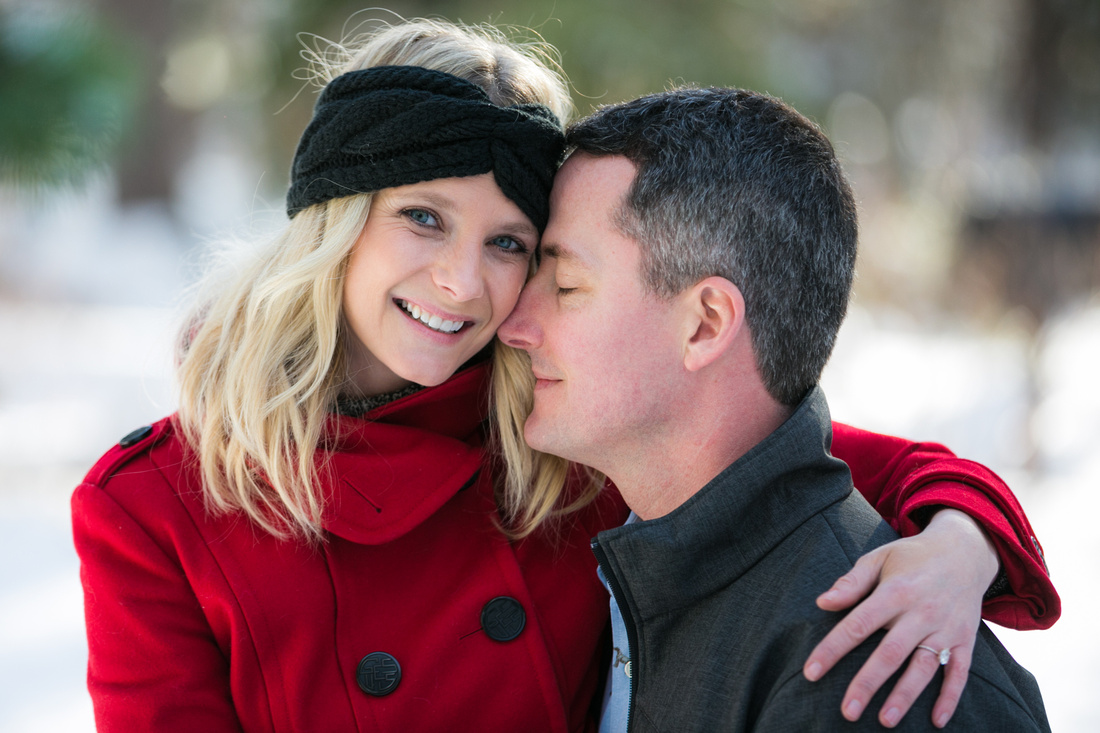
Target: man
x=696 y=269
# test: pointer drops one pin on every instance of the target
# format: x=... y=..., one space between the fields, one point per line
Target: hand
x=929 y=591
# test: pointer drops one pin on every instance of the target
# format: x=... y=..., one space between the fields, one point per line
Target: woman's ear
x=716 y=315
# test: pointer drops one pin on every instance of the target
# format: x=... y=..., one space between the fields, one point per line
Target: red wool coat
x=415 y=614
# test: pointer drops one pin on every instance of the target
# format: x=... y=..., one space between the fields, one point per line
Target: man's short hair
x=738 y=184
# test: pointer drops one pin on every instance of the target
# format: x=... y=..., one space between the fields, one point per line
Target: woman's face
x=437 y=267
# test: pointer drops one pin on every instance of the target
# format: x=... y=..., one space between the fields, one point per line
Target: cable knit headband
x=395 y=125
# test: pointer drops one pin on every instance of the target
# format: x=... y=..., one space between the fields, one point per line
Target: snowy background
x=946 y=115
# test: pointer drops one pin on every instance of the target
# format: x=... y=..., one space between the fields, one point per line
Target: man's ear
x=716 y=315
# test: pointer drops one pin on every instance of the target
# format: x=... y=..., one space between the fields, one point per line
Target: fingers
x=887 y=658
x=923 y=593
x=849 y=633
x=922 y=668
x=958 y=670
x=859 y=624
x=853 y=585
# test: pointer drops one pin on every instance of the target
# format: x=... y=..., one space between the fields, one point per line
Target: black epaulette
x=132 y=445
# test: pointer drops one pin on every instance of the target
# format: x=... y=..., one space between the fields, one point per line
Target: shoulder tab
x=136 y=436
x=132 y=444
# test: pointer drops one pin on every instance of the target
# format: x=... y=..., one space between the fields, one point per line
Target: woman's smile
x=442 y=324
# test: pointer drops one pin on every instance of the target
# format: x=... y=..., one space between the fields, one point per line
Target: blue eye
x=508 y=244
x=422 y=217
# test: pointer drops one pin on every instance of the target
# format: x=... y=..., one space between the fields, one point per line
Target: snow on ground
x=75 y=378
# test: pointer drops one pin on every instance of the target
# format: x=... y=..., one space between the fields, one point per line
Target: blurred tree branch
x=68 y=87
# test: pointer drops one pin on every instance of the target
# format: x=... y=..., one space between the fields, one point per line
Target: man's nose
x=459 y=271
x=520 y=329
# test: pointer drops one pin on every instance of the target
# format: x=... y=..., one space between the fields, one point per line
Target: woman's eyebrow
x=520 y=228
x=427 y=197
x=444 y=203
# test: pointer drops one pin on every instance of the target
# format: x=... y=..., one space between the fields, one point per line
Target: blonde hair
x=262 y=354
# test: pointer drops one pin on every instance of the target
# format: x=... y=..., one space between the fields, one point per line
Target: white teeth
x=436 y=323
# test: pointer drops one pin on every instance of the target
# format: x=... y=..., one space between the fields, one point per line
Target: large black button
x=135 y=437
x=503 y=618
x=378 y=674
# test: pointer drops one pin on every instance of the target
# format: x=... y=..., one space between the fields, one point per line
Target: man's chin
x=539 y=434
x=531 y=433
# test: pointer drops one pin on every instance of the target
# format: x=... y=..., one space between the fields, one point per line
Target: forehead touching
x=586 y=206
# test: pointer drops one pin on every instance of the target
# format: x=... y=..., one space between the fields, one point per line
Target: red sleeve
x=153 y=662
x=899 y=477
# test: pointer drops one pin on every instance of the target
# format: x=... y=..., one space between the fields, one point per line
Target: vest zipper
x=628 y=622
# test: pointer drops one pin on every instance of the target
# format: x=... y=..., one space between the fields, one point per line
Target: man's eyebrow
x=562 y=254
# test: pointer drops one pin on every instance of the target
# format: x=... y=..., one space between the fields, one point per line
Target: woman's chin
x=426 y=377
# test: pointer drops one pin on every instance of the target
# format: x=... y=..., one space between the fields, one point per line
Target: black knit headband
x=395 y=125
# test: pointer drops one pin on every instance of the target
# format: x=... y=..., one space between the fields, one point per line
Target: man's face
x=605 y=352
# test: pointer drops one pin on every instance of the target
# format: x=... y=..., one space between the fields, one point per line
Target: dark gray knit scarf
x=395 y=125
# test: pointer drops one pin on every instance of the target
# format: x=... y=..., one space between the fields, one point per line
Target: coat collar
x=736 y=519
x=387 y=472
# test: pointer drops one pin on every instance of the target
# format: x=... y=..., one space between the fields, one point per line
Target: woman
x=320 y=539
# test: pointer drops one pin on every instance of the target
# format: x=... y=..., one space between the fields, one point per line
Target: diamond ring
x=944 y=655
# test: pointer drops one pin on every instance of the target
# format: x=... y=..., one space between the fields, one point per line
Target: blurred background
x=132 y=133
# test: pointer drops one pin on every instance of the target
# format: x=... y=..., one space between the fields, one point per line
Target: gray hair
x=738 y=184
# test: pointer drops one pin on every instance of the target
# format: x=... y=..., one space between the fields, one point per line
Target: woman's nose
x=459 y=271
